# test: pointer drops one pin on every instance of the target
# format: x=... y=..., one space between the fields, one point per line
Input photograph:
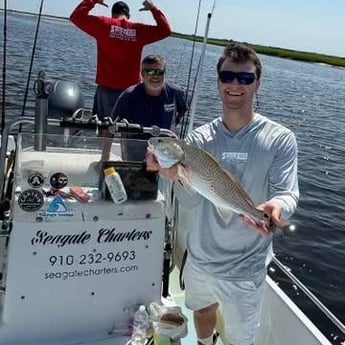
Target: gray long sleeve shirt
x=263 y=157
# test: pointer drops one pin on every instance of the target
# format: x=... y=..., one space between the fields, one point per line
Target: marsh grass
x=274 y=51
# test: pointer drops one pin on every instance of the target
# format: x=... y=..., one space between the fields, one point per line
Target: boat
x=72 y=272
x=73 y=268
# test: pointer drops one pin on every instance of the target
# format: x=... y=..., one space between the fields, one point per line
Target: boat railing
x=329 y=315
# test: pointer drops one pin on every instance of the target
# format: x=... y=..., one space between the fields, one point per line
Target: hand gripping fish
x=199 y=171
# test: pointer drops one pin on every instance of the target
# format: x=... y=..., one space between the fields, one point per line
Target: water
x=308 y=98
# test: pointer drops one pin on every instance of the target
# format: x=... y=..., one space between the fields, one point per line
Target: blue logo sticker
x=57 y=205
x=57 y=210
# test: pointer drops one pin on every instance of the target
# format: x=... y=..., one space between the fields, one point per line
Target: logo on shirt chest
x=235 y=157
x=169 y=107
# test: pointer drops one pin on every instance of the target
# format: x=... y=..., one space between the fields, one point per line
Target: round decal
x=30 y=200
x=36 y=180
x=59 y=180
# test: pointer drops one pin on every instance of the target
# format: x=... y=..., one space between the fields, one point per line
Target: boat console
x=74 y=266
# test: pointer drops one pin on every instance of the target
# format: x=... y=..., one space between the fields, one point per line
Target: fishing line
x=32 y=60
x=3 y=105
x=184 y=118
x=192 y=98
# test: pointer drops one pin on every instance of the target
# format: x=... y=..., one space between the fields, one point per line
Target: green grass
x=274 y=51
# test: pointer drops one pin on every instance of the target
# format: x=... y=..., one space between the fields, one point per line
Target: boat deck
x=178 y=297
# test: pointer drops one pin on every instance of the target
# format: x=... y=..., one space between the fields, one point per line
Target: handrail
x=3 y=149
x=311 y=296
x=4 y=143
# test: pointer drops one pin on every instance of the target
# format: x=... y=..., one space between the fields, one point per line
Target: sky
x=307 y=25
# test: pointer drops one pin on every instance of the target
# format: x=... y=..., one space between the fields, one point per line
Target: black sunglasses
x=244 y=78
x=154 y=71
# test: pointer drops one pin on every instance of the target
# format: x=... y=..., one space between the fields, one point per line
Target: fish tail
x=284 y=227
x=272 y=227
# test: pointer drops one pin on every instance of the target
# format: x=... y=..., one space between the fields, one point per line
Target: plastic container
x=140 y=326
x=160 y=339
x=115 y=185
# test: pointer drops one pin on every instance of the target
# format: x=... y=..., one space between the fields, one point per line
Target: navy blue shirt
x=136 y=106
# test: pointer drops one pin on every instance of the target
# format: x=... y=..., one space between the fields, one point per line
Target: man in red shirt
x=119 y=47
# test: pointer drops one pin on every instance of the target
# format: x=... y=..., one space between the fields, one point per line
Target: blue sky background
x=308 y=25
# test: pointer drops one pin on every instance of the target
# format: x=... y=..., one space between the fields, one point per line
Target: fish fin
x=184 y=179
x=272 y=228
x=225 y=214
x=281 y=227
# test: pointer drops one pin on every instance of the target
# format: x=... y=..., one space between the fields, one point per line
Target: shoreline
x=30 y=14
x=291 y=54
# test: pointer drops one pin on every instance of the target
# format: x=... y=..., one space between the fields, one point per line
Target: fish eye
x=159 y=141
x=266 y=216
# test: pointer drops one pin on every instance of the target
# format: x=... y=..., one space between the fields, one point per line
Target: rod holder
x=41 y=115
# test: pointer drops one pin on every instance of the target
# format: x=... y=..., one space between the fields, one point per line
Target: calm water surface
x=308 y=98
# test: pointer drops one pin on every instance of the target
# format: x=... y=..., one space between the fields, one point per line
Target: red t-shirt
x=119 y=43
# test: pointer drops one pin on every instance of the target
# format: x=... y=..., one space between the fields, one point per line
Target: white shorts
x=240 y=302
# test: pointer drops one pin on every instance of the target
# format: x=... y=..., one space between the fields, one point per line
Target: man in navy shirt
x=154 y=101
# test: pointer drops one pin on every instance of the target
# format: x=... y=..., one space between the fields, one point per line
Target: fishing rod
x=184 y=118
x=188 y=121
x=32 y=59
x=197 y=80
x=3 y=106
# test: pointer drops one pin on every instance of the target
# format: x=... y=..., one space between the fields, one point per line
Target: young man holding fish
x=229 y=242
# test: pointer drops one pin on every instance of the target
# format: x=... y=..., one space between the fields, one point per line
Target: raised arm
x=80 y=17
x=153 y=33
